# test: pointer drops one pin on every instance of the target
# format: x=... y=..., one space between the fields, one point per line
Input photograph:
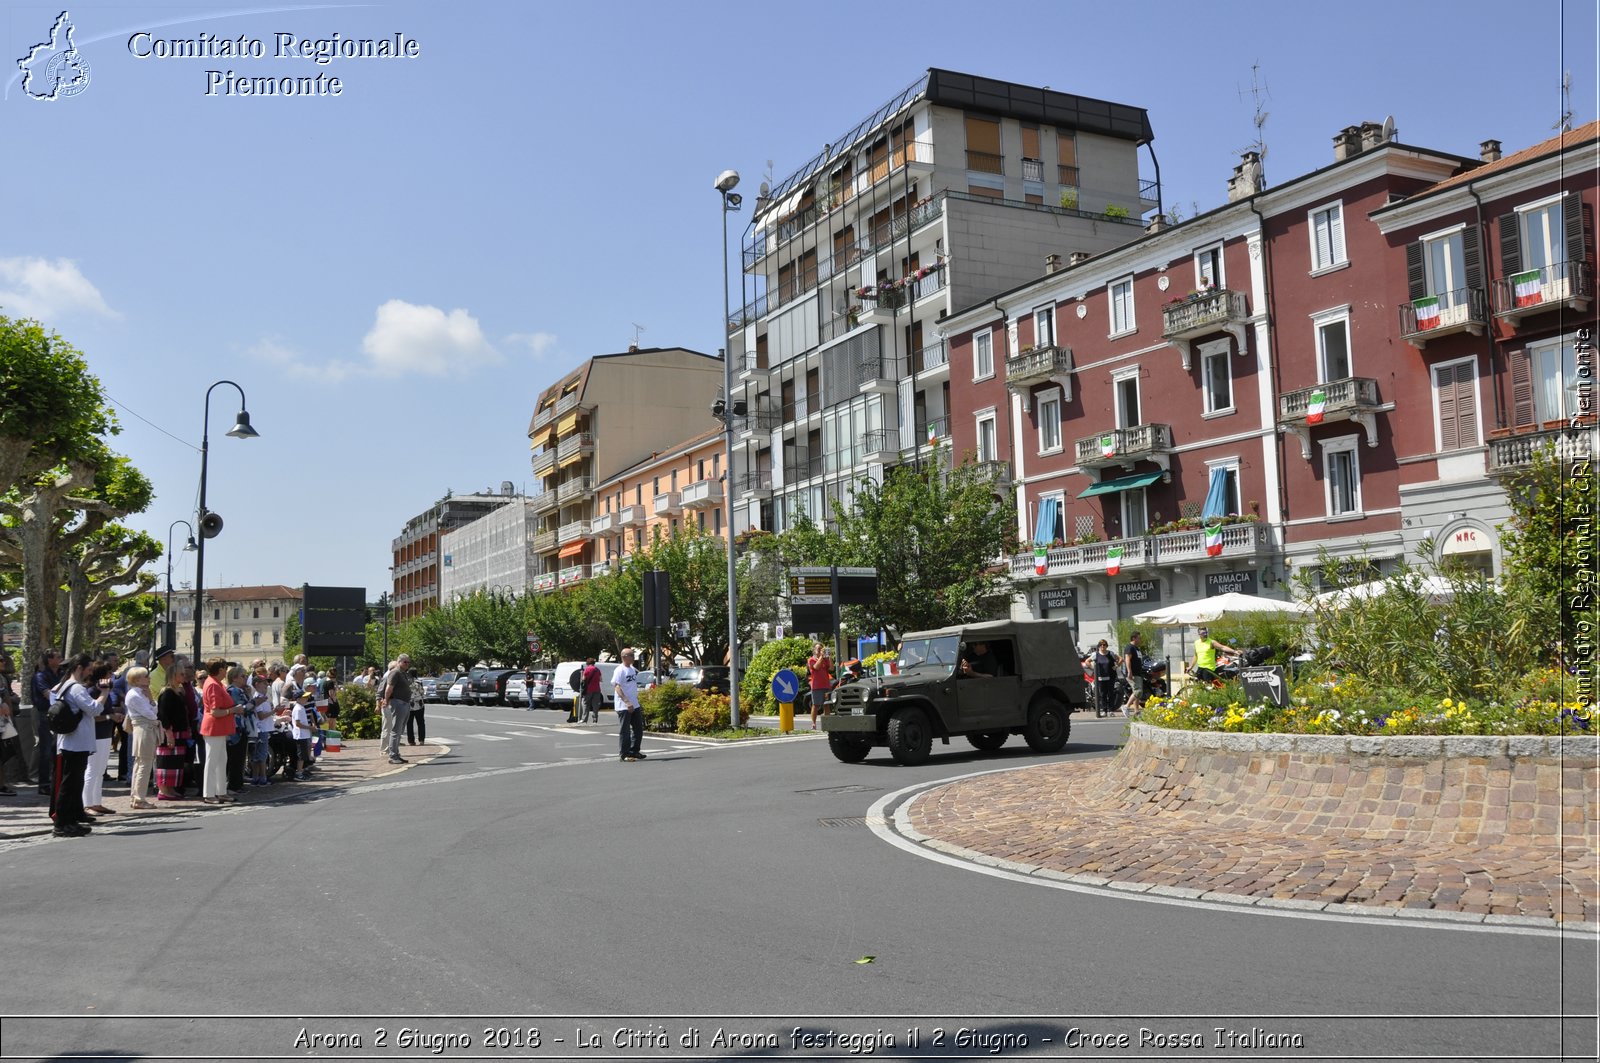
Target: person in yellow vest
x=1205 y=656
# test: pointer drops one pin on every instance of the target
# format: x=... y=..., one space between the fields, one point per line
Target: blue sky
x=393 y=274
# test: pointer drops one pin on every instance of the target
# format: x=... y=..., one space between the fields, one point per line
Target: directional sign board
x=785 y=686
x=1265 y=683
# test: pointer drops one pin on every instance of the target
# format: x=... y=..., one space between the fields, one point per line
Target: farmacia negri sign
x=319 y=50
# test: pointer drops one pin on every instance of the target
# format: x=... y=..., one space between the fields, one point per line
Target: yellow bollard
x=785 y=717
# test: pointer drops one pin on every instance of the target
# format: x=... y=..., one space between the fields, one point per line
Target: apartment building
x=956 y=188
x=1213 y=405
x=678 y=488
x=418 y=561
x=240 y=623
x=611 y=413
x=491 y=555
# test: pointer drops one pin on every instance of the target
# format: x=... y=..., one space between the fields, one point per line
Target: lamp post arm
x=200 y=552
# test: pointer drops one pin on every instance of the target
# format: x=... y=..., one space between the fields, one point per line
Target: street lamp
x=383 y=610
x=210 y=523
x=169 y=624
x=725 y=184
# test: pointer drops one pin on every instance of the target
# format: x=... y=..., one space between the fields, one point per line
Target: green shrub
x=358 y=712
x=705 y=714
x=662 y=704
x=755 y=685
x=1115 y=211
x=1284 y=632
x=1069 y=198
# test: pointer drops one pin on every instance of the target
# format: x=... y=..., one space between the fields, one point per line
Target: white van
x=563 y=696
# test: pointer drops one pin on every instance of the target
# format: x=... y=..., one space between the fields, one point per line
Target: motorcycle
x=1252 y=656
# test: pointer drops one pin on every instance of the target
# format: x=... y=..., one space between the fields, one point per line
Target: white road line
x=490 y=738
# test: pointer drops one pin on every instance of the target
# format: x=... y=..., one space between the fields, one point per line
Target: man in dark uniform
x=979 y=662
x=44 y=680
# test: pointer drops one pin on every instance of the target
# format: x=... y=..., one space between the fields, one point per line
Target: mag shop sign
x=1244 y=582
x=1058 y=598
x=1140 y=592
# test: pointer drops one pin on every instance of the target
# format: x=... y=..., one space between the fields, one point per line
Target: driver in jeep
x=978 y=662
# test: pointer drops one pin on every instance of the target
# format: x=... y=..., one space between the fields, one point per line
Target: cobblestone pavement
x=1053 y=818
x=28 y=814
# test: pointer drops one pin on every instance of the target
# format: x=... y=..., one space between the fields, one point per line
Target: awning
x=572 y=549
x=541 y=439
x=1121 y=483
x=567 y=424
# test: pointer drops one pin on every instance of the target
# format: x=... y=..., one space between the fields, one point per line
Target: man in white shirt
x=300 y=731
x=85 y=690
x=625 y=685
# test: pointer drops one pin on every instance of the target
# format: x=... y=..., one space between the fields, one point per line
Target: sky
x=393 y=273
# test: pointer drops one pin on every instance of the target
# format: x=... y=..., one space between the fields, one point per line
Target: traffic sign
x=533 y=642
x=785 y=686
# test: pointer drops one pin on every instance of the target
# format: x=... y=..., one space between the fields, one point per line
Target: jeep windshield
x=929 y=656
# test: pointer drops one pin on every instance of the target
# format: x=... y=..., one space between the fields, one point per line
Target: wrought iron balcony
x=1566 y=445
x=1039 y=365
x=1124 y=446
x=1351 y=398
x=1249 y=541
x=702 y=494
x=571 y=532
x=666 y=504
x=881 y=445
x=877 y=374
x=1558 y=286
x=630 y=516
x=1443 y=314
x=755 y=483
x=803 y=469
x=929 y=357
x=1032 y=170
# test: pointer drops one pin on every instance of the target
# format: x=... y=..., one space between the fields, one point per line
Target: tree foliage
x=1549 y=552
x=51 y=407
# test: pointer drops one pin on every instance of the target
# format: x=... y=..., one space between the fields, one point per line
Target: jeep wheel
x=848 y=748
x=988 y=741
x=910 y=738
x=1048 y=726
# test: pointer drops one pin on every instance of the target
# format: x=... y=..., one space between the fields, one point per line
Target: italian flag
x=1108 y=446
x=1113 y=560
x=1041 y=564
x=1427 y=312
x=1214 y=540
x=1528 y=290
x=1318 y=403
x=933 y=434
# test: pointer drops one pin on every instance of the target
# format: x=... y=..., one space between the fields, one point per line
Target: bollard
x=785 y=717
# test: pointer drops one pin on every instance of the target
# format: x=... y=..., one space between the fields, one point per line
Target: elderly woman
x=172 y=755
x=244 y=720
x=216 y=727
x=146 y=736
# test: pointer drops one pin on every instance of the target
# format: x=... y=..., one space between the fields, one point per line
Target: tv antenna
x=1565 y=124
x=1259 y=94
x=637 y=330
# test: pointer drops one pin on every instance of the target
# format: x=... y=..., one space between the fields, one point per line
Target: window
x=983 y=144
x=986 y=437
x=1327 y=237
x=1049 y=421
x=1208 y=267
x=1134 y=520
x=674 y=486
x=255 y=612
x=700 y=518
x=1455 y=402
x=277 y=637
x=1543 y=235
x=1127 y=399
x=982 y=355
x=1216 y=374
x=1333 y=344
x=255 y=638
x=216 y=614
x=1341 y=474
x=275 y=612
x=1222 y=489
x=236 y=612
x=216 y=638
x=1044 y=327
x=1442 y=260
x=236 y=638
x=1555 y=375
x=1051 y=525
x=716 y=522
x=1120 y=295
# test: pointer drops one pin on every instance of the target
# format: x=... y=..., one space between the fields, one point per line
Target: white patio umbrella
x=1207 y=610
x=1437 y=589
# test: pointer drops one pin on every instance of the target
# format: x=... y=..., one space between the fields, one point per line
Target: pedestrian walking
x=819 y=671
x=630 y=715
x=1134 y=667
x=1104 y=665
x=594 y=698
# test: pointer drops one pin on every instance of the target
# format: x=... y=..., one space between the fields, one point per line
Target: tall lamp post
x=210 y=523
x=383 y=611
x=169 y=623
x=725 y=184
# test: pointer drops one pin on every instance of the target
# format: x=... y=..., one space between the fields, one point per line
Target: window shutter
x=1336 y=233
x=1510 y=244
x=1416 y=273
x=1472 y=256
x=1466 y=405
x=1522 y=411
x=1579 y=219
x=1445 y=391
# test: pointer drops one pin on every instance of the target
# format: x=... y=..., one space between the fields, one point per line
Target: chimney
x=1052 y=263
x=1078 y=258
x=1156 y=224
x=1246 y=179
x=1489 y=151
x=633 y=348
x=1371 y=135
x=1346 y=143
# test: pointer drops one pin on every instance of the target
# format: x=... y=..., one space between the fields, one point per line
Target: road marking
x=490 y=738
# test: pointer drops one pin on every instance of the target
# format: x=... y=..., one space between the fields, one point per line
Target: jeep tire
x=988 y=741
x=852 y=749
x=1048 y=726
x=910 y=736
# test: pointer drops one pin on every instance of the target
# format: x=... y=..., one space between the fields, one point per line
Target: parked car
x=539 y=683
x=429 y=685
x=489 y=685
x=441 y=687
x=710 y=678
x=517 y=689
x=1035 y=686
x=562 y=694
x=460 y=692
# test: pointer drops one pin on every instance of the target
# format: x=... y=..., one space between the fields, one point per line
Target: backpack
x=62 y=717
x=575 y=680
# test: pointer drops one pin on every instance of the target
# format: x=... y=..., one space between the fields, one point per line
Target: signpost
x=785 y=688
x=1265 y=683
x=815 y=595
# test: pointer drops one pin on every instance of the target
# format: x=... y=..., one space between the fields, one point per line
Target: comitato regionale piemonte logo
x=54 y=69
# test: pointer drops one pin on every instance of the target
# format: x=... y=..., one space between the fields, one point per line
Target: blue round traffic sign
x=785 y=686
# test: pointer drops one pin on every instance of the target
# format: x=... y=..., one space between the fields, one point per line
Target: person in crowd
x=1205 y=655
x=244 y=727
x=630 y=714
x=10 y=741
x=1103 y=663
x=85 y=688
x=122 y=735
x=216 y=725
x=172 y=714
x=46 y=674
x=192 y=678
x=300 y=730
x=146 y=736
x=593 y=697
x=819 y=669
x=106 y=723
x=395 y=703
x=261 y=745
x=416 y=722
x=1133 y=666
x=161 y=662
x=280 y=681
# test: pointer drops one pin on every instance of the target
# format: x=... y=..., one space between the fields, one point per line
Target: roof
x=270 y=592
x=1554 y=146
x=578 y=379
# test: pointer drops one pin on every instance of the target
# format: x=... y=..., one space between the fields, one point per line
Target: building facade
x=418 y=564
x=681 y=487
x=956 y=188
x=491 y=555
x=239 y=623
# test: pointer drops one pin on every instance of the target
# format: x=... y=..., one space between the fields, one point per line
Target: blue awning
x=1121 y=483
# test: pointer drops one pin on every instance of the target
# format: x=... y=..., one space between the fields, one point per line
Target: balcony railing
x=1124 y=446
x=543 y=462
x=936 y=429
x=925 y=286
x=572 y=574
x=877 y=374
x=880 y=444
x=1150 y=189
x=930 y=356
x=574 y=489
x=543 y=542
x=543 y=416
x=802 y=470
x=1351 y=398
x=1564 y=445
x=572 y=532
x=1067 y=175
x=544 y=581
x=569 y=401
x=702 y=494
x=1032 y=170
x=1038 y=365
x=996 y=469
x=1148 y=551
x=666 y=504
x=543 y=502
x=602 y=568
x=985 y=162
x=1210 y=312
x=764 y=418
x=1461 y=310
x=1557 y=286
x=601 y=525
x=755 y=483
x=755 y=362
x=629 y=516
x=581 y=443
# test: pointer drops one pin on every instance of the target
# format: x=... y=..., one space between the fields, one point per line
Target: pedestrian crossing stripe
x=491 y=738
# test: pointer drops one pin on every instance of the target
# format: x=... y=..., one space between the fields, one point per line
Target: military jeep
x=1036 y=684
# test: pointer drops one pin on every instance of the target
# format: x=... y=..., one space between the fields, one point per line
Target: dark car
x=711 y=678
x=489 y=685
x=1027 y=681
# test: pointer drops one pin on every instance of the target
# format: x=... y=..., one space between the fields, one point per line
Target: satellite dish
x=1388 y=129
x=765 y=189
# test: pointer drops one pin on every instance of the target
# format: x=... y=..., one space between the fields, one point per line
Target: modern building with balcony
x=418 y=564
x=610 y=414
x=956 y=188
x=492 y=555
x=683 y=486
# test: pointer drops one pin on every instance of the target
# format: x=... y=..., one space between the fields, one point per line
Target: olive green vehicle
x=1036 y=686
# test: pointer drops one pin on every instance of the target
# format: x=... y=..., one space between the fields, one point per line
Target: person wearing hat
x=300 y=730
x=163 y=661
x=1205 y=655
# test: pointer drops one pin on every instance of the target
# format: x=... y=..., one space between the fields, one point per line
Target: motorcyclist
x=1205 y=656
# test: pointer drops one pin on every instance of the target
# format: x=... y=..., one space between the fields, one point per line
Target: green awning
x=1121 y=483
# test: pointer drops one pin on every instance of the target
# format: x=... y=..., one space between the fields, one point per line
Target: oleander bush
x=755 y=684
x=705 y=714
x=662 y=704
x=358 y=712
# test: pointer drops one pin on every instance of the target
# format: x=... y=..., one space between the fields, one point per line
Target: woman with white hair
x=146 y=734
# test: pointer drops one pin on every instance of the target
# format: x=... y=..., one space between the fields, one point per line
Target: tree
x=106 y=560
x=567 y=623
x=51 y=407
x=1549 y=551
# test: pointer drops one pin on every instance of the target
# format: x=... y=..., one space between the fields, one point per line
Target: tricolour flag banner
x=933 y=434
x=1315 y=408
x=1041 y=563
x=1427 y=312
x=1214 y=540
x=1108 y=446
x=1529 y=292
x=1113 y=560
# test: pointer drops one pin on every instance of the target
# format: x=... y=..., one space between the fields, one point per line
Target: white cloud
x=291 y=364
x=538 y=344
x=34 y=287
x=406 y=338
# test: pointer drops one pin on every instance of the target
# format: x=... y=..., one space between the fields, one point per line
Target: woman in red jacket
x=216 y=725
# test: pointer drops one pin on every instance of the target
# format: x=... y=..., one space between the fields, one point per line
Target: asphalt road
x=530 y=879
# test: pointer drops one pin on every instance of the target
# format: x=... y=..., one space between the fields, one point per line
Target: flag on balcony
x=1108 y=446
x=1427 y=310
x=1041 y=563
x=1113 y=560
x=1314 y=408
x=1527 y=289
x=1214 y=540
x=933 y=434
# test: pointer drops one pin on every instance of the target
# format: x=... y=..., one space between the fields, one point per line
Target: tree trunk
x=76 y=639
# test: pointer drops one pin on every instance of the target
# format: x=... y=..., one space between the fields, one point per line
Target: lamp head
x=727 y=180
x=241 y=427
x=190 y=546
